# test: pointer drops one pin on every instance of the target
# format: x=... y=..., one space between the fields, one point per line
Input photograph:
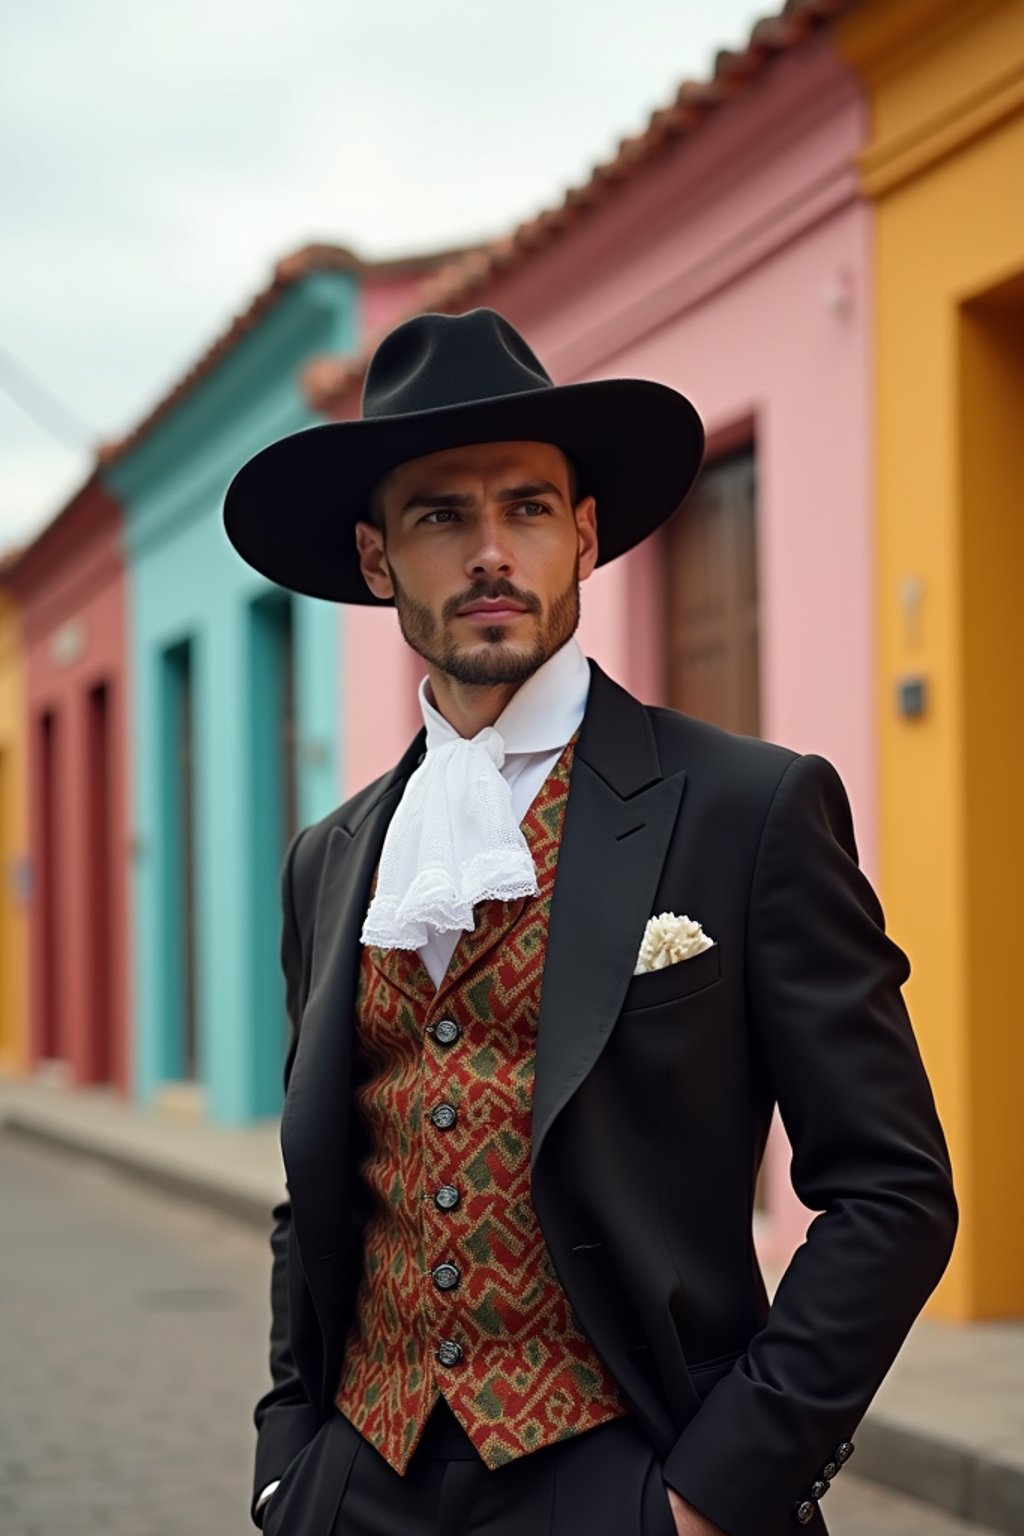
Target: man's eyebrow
x=446 y=499
x=531 y=488
x=460 y=500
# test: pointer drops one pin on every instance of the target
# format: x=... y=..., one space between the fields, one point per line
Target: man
x=547 y=978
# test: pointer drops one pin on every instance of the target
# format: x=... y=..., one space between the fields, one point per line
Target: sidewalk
x=946 y=1426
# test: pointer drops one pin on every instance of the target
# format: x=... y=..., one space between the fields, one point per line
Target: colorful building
x=13 y=838
x=238 y=700
x=943 y=170
x=69 y=587
x=726 y=252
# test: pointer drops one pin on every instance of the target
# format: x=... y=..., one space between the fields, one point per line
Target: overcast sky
x=158 y=159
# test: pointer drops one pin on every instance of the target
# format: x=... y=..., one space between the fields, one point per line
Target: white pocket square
x=667 y=939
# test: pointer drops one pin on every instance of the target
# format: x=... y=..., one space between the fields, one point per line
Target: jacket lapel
x=619 y=820
x=315 y=1123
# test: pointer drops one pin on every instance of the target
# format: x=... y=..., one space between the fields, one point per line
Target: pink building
x=725 y=251
x=70 y=587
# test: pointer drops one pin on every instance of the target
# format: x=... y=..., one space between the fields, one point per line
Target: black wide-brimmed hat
x=442 y=381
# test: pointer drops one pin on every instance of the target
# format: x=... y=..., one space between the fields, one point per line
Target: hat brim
x=291 y=510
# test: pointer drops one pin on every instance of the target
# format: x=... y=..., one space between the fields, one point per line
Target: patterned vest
x=458 y=1293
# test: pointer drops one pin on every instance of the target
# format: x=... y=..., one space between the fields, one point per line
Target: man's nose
x=491 y=554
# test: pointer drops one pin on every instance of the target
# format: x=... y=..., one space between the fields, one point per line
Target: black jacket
x=653 y=1097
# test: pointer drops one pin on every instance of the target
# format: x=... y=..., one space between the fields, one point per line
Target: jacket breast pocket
x=674 y=982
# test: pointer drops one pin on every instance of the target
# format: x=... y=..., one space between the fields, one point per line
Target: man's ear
x=585 y=513
x=373 y=561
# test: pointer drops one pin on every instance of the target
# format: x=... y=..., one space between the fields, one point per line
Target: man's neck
x=467 y=707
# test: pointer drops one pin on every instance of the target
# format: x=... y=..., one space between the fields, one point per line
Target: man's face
x=483 y=553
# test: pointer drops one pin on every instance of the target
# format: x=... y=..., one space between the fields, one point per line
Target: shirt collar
x=542 y=713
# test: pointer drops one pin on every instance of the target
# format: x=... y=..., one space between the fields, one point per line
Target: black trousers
x=605 y=1482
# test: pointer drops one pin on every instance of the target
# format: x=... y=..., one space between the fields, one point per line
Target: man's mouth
x=491 y=609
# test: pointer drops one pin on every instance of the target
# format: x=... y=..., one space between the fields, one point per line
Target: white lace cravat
x=453 y=841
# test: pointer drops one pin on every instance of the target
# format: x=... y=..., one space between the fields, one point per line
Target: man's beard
x=494 y=660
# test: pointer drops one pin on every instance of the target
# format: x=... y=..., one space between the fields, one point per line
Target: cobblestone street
x=132 y=1349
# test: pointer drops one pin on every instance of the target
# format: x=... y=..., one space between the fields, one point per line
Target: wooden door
x=711 y=617
x=99 y=892
x=49 y=926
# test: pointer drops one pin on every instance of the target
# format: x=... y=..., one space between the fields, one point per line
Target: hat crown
x=432 y=361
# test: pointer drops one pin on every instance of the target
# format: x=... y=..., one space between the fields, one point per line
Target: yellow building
x=13 y=843
x=944 y=168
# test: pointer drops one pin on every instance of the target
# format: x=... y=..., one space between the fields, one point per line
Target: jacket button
x=448 y=1352
x=818 y=1489
x=446 y=1198
x=804 y=1511
x=843 y=1451
x=829 y=1470
x=446 y=1032
x=443 y=1116
x=446 y=1277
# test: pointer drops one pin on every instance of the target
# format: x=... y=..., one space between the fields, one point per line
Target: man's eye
x=441 y=512
x=538 y=506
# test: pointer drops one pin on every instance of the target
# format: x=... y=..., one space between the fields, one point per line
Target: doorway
x=711 y=651
x=179 y=992
x=991 y=566
x=274 y=816
x=99 y=894
x=48 y=917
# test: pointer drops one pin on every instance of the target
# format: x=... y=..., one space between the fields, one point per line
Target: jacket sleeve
x=285 y=1419
x=831 y=1026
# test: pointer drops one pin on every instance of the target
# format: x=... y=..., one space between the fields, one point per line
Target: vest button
x=448 y=1352
x=804 y=1511
x=843 y=1451
x=446 y=1198
x=446 y=1277
x=443 y=1116
x=446 y=1032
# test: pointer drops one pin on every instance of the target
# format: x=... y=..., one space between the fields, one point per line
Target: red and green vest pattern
x=470 y=1267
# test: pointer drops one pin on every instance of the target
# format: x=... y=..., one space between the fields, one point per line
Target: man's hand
x=688 y=1521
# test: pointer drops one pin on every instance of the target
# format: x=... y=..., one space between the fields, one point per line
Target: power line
x=46 y=409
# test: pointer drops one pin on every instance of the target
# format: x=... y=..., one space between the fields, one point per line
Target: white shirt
x=536 y=723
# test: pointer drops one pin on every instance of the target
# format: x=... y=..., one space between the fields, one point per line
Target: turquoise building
x=235 y=689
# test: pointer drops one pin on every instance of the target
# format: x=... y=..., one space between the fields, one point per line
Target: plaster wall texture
x=72 y=599
x=13 y=845
x=189 y=585
x=943 y=166
x=736 y=269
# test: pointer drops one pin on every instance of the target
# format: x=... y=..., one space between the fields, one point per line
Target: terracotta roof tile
x=331 y=379
x=290 y=269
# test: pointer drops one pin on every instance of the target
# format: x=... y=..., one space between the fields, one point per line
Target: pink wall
x=72 y=592
x=736 y=268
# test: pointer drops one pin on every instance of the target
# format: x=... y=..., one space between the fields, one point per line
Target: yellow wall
x=13 y=843
x=944 y=165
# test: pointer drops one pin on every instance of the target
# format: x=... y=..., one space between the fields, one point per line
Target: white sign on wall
x=68 y=644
